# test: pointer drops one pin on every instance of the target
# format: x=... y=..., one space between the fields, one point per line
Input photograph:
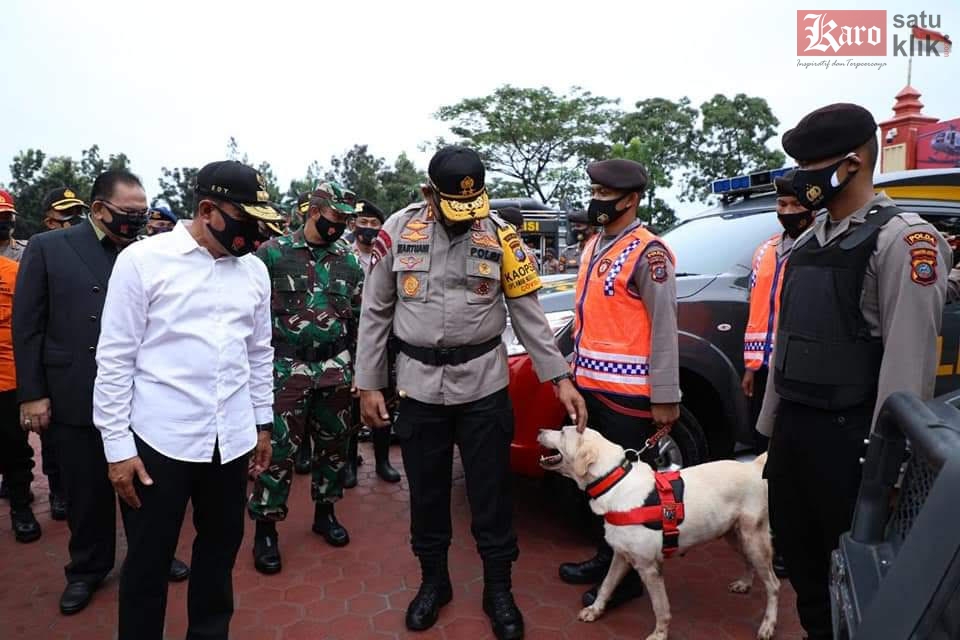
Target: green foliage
x=653 y=211
x=176 y=188
x=732 y=141
x=400 y=184
x=359 y=170
x=535 y=137
x=33 y=173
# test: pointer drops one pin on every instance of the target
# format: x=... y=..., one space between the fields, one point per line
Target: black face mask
x=329 y=231
x=796 y=223
x=366 y=235
x=815 y=188
x=603 y=212
x=239 y=237
x=125 y=226
x=6 y=228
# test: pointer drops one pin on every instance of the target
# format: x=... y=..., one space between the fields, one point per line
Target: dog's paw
x=766 y=630
x=740 y=586
x=590 y=614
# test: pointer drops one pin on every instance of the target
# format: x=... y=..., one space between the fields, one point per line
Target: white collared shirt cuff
x=263 y=415
x=120 y=447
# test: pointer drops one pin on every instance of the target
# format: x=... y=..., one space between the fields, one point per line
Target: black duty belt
x=438 y=357
x=310 y=354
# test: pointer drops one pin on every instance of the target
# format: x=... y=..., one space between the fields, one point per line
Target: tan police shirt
x=906 y=314
x=14 y=249
x=433 y=290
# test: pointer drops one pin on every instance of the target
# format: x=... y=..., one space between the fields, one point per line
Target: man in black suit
x=59 y=298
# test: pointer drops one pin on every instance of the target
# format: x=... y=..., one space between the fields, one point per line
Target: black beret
x=829 y=131
x=619 y=174
x=784 y=184
x=578 y=217
x=367 y=209
x=513 y=215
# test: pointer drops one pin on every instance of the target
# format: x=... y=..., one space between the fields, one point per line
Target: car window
x=720 y=244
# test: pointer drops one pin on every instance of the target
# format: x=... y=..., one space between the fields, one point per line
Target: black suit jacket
x=57 y=305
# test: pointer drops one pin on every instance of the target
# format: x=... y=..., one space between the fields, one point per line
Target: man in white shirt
x=184 y=393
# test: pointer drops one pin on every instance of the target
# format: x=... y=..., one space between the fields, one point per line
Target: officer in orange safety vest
x=626 y=362
x=766 y=281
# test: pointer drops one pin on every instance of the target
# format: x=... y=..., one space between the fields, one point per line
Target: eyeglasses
x=136 y=213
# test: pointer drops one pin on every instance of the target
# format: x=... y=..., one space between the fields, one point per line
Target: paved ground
x=361 y=591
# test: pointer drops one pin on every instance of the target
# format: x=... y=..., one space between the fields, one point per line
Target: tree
x=400 y=185
x=732 y=141
x=359 y=171
x=176 y=188
x=33 y=173
x=535 y=137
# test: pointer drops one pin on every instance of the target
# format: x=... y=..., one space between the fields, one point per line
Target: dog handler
x=626 y=362
x=860 y=313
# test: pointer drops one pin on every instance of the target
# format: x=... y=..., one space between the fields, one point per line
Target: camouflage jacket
x=315 y=303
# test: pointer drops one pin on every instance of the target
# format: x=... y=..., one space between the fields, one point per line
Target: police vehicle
x=714 y=251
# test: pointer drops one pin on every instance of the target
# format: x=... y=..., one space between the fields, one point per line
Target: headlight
x=557 y=321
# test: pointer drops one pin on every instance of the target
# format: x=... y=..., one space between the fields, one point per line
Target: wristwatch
x=266 y=426
x=566 y=376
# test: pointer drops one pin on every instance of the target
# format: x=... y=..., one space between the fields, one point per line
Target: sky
x=168 y=82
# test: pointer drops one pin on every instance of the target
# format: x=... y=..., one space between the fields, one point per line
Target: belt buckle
x=444 y=354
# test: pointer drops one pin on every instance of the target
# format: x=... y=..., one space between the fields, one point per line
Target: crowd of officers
x=395 y=323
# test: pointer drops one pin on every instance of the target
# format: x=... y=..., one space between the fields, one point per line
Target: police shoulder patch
x=923 y=266
x=920 y=236
x=381 y=246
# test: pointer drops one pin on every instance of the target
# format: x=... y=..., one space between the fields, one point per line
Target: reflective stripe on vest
x=766 y=281
x=611 y=324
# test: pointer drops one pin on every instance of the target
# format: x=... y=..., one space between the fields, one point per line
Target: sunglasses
x=130 y=213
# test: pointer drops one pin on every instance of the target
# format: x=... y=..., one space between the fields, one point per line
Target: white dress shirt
x=184 y=358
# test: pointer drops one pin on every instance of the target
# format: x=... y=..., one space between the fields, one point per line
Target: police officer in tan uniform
x=9 y=246
x=861 y=307
x=580 y=231
x=440 y=274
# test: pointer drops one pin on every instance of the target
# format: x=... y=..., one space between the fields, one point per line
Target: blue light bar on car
x=758 y=181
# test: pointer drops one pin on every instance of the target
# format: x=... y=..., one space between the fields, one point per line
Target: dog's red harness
x=663 y=508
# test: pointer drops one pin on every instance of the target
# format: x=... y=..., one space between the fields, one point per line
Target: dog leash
x=633 y=455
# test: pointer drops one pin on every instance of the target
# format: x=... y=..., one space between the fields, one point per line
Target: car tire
x=685 y=445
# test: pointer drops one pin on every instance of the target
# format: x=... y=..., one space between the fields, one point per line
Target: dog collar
x=599 y=487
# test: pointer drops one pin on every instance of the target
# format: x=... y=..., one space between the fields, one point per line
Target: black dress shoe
x=266 y=553
x=325 y=524
x=179 y=571
x=304 y=460
x=591 y=571
x=630 y=588
x=25 y=525
x=425 y=607
x=504 y=615
x=75 y=598
x=58 y=507
x=779 y=567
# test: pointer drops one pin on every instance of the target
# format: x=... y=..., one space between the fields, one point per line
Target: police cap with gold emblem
x=158 y=212
x=457 y=175
x=61 y=199
x=619 y=174
x=366 y=209
x=578 y=217
x=829 y=131
x=784 y=185
x=303 y=202
x=239 y=184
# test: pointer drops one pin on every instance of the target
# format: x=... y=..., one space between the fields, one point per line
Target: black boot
x=590 y=571
x=266 y=548
x=5 y=491
x=350 y=468
x=435 y=592
x=25 y=525
x=381 y=449
x=498 y=603
x=58 y=504
x=325 y=524
x=303 y=463
x=630 y=587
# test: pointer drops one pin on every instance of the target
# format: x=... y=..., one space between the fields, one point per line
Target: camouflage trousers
x=301 y=411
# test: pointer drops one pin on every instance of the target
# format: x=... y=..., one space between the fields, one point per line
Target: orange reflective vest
x=8 y=281
x=611 y=325
x=766 y=281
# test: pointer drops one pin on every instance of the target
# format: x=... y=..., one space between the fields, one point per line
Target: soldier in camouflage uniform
x=316 y=282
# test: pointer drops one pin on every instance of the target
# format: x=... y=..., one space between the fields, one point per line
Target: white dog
x=723 y=498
